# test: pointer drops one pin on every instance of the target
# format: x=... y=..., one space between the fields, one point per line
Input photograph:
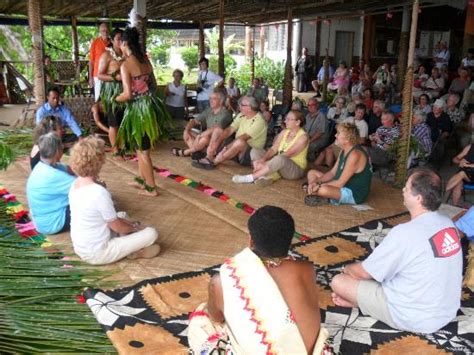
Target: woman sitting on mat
x=285 y=159
x=465 y=174
x=348 y=182
x=48 y=124
x=145 y=115
x=99 y=234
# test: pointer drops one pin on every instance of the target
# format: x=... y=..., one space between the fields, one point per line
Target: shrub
x=190 y=57
x=161 y=54
x=272 y=72
x=229 y=64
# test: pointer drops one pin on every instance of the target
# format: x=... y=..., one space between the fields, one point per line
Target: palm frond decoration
x=39 y=293
x=14 y=143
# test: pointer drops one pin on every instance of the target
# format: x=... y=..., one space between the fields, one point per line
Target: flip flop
x=198 y=155
x=204 y=163
x=178 y=152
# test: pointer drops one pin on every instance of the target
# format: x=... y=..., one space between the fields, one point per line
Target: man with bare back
x=262 y=300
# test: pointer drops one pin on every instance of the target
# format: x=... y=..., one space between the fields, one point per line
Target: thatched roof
x=236 y=11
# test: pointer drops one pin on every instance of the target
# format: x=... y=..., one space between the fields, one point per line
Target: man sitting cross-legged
x=262 y=301
x=348 y=182
x=412 y=281
x=250 y=131
x=286 y=158
x=215 y=118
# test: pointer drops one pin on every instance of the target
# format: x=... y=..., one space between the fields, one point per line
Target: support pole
x=367 y=49
x=221 y=63
x=252 y=53
x=262 y=42
x=403 y=151
x=35 y=21
x=403 y=47
x=202 y=46
x=248 y=43
x=75 y=48
x=468 y=41
x=140 y=8
x=317 y=49
x=287 y=82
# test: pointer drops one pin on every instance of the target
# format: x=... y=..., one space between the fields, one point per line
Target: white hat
x=439 y=103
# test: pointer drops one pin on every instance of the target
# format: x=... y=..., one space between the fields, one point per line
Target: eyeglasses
x=244 y=105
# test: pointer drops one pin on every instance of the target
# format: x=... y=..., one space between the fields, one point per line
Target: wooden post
x=287 y=82
x=35 y=20
x=75 y=49
x=405 y=133
x=403 y=47
x=367 y=49
x=248 y=43
x=221 y=63
x=468 y=40
x=262 y=42
x=252 y=53
x=140 y=8
x=202 y=46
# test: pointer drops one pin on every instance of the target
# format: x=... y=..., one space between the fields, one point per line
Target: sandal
x=149 y=190
x=313 y=201
x=204 y=163
x=179 y=152
x=198 y=155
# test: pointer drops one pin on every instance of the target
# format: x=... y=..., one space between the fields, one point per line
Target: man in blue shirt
x=48 y=187
x=53 y=108
x=320 y=77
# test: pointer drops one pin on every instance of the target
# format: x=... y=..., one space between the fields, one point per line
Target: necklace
x=114 y=55
x=275 y=262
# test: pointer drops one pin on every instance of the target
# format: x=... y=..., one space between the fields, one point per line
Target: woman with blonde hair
x=99 y=234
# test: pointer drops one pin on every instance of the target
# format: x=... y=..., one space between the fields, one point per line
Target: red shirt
x=98 y=46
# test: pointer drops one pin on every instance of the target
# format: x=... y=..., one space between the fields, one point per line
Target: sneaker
x=263 y=181
x=242 y=179
x=145 y=253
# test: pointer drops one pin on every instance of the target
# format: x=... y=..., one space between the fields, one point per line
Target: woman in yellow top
x=285 y=159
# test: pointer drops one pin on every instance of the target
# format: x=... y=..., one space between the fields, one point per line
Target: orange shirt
x=98 y=46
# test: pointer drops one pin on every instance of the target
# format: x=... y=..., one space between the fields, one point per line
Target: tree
x=272 y=72
x=212 y=40
x=190 y=57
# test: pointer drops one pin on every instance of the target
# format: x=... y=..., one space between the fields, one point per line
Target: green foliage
x=190 y=57
x=14 y=143
x=161 y=54
x=272 y=72
x=212 y=42
x=229 y=64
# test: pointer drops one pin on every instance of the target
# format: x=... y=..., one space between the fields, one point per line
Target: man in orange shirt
x=98 y=46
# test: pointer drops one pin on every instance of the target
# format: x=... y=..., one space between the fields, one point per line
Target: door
x=344 y=47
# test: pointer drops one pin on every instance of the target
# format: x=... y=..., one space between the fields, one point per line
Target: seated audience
x=48 y=186
x=441 y=127
x=99 y=234
x=257 y=91
x=433 y=87
x=454 y=112
x=338 y=113
x=420 y=78
x=421 y=131
x=48 y=124
x=368 y=99
x=382 y=80
x=465 y=174
x=250 y=131
x=176 y=97
x=316 y=127
x=317 y=84
x=412 y=280
x=382 y=140
x=341 y=77
x=461 y=83
x=53 y=107
x=233 y=95
x=285 y=159
x=265 y=110
x=348 y=181
x=423 y=104
x=276 y=286
x=468 y=61
x=342 y=92
x=441 y=55
x=374 y=119
x=214 y=120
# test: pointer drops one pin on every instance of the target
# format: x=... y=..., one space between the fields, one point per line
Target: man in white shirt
x=206 y=82
x=412 y=281
x=360 y=123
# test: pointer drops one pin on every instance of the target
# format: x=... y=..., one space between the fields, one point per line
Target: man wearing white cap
x=441 y=127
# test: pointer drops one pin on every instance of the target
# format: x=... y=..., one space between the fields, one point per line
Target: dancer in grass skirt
x=145 y=119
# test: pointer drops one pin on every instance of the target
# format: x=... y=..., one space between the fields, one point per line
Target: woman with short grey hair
x=48 y=186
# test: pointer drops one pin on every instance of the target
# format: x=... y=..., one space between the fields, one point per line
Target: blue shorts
x=346 y=197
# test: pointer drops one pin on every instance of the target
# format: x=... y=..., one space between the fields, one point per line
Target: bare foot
x=145 y=253
x=339 y=301
x=152 y=193
x=136 y=185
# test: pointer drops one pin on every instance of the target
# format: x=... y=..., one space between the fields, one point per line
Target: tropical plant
x=272 y=72
x=14 y=143
x=212 y=42
x=229 y=64
x=161 y=53
x=190 y=57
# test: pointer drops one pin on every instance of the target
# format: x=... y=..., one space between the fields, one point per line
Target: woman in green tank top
x=348 y=182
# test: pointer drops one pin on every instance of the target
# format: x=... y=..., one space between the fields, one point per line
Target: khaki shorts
x=373 y=302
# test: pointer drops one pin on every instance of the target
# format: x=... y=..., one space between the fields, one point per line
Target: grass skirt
x=109 y=91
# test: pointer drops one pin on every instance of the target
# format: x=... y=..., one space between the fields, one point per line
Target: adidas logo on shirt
x=445 y=243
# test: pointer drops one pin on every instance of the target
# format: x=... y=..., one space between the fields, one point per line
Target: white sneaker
x=263 y=181
x=242 y=179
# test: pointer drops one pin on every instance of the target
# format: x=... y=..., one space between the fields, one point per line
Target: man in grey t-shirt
x=316 y=126
x=412 y=281
x=213 y=121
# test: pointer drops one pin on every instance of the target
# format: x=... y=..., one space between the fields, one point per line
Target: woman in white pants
x=99 y=234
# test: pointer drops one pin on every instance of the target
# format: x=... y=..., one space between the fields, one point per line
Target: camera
x=202 y=85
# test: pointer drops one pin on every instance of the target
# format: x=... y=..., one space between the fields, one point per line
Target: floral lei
x=117 y=58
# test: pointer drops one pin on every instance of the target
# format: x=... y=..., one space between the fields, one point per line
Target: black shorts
x=115 y=119
x=146 y=144
x=469 y=172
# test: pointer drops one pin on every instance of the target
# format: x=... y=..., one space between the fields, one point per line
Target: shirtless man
x=109 y=73
x=281 y=290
